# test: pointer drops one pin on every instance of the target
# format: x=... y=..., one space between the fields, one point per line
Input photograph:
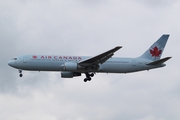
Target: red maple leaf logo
x=155 y=52
x=34 y=57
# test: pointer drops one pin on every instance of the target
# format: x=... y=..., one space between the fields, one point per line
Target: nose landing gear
x=20 y=73
x=88 y=77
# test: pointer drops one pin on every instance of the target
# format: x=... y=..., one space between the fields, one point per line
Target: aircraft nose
x=11 y=63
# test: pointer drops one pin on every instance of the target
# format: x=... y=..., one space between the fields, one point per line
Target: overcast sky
x=89 y=27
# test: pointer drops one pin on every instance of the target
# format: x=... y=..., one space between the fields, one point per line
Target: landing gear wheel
x=92 y=74
x=88 y=76
x=89 y=79
x=85 y=80
x=20 y=75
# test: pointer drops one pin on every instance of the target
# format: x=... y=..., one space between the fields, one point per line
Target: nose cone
x=11 y=63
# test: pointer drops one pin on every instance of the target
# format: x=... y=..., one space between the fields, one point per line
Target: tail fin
x=156 y=50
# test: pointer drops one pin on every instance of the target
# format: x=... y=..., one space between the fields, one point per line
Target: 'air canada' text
x=58 y=57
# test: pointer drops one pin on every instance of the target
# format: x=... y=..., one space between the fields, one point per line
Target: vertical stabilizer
x=156 y=50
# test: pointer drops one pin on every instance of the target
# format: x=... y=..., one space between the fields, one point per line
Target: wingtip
x=166 y=34
x=119 y=47
x=169 y=57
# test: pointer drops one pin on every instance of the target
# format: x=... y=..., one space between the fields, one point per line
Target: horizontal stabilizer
x=157 y=62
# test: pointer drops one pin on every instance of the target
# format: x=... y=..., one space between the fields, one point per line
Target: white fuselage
x=73 y=66
x=55 y=63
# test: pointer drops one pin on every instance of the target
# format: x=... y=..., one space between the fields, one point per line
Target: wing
x=99 y=59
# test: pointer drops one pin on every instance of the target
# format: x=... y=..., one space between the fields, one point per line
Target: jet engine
x=65 y=74
x=71 y=66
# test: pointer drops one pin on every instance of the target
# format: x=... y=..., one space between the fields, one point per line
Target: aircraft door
x=133 y=62
x=24 y=60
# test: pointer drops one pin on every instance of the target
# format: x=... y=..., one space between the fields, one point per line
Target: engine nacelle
x=70 y=66
x=69 y=74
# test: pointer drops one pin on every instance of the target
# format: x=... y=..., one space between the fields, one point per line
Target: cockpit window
x=14 y=59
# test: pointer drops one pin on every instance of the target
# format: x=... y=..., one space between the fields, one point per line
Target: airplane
x=73 y=66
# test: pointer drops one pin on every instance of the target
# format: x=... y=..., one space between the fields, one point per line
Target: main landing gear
x=20 y=73
x=88 y=77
